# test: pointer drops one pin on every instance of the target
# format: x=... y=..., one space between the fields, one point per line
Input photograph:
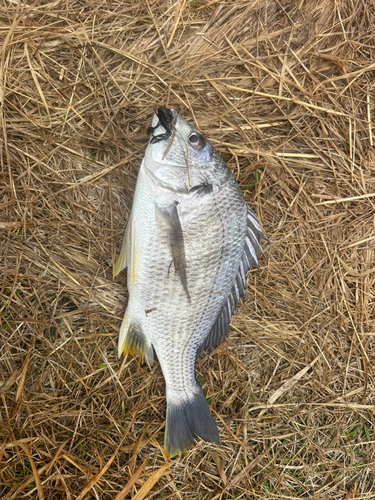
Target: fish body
x=189 y=241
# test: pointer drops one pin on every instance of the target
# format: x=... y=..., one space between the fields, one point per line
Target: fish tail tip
x=187 y=420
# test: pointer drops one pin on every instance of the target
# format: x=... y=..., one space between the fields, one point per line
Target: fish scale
x=189 y=241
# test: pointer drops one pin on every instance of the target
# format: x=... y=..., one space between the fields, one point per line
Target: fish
x=188 y=243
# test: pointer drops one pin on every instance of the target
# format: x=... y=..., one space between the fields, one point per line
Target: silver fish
x=188 y=244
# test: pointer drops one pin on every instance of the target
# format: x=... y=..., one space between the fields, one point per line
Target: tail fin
x=187 y=420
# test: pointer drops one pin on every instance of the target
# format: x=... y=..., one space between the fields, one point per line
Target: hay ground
x=285 y=91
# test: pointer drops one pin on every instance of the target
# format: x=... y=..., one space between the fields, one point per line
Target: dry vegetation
x=285 y=91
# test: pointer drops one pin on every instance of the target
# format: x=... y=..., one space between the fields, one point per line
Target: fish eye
x=197 y=140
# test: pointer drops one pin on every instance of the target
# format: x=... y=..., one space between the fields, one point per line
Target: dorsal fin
x=249 y=257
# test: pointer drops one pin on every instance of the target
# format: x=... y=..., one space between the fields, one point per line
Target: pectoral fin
x=169 y=223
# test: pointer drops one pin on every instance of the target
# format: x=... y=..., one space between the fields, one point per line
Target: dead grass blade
x=178 y=17
x=97 y=477
x=11 y=225
x=7 y=384
x=350 y=198
x=153 y=479
x=129 y=485
x=244 y=471
x=24 y=372
x=34 y=470
x=289 y=384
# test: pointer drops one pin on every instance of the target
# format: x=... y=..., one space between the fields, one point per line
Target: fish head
x=177 y=153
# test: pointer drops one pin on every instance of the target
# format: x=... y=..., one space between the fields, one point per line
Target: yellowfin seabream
x=188 y=244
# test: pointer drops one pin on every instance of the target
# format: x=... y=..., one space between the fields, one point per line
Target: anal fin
x=133 y=341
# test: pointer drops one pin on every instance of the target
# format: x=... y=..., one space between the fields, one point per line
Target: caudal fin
x=187 y=420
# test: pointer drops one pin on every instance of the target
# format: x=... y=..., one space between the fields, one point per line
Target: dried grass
x=285 y=91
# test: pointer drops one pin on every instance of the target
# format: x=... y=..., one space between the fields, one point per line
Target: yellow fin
x=133 y=341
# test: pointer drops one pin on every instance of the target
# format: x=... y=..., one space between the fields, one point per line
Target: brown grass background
x=285 y=91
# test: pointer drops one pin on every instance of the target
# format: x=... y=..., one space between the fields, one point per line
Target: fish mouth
x=164 y=118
